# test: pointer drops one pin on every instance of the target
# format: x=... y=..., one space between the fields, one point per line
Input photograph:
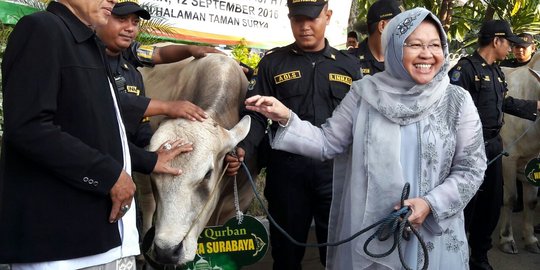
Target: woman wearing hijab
x=407 y=124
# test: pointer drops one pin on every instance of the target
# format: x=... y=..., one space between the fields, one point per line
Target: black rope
x=395 y=224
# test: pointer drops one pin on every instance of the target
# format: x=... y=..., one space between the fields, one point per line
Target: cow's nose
x=168 y=255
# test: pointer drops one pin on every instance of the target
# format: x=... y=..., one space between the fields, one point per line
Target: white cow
x=186 y=203
x=521 y=141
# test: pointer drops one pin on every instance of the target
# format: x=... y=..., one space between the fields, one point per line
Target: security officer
x=124 y=55
x=370 y=50
x=522 y=53
x=483 y=78
x=311 y=78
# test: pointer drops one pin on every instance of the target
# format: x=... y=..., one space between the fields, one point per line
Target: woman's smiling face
x=423 y=54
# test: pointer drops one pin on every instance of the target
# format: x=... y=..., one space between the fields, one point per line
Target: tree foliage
x=243 y=54
x=462 y=19
x=5 y=30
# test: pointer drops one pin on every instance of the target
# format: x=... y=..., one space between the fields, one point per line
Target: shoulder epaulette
x=272 y=50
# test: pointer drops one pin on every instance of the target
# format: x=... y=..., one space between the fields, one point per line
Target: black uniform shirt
x=132 y=101
x=369 y=64
x=310 y=84
x=487 y=86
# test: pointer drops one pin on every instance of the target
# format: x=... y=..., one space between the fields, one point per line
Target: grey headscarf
x=393 y=92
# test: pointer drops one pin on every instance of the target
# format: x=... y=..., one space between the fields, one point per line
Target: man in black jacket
x=65 y=184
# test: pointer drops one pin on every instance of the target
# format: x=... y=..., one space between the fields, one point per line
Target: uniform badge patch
x=145 y=52
x=133 y=90
x=455 y=76
x=340 y=78
x=287 y=76
x=366 y=71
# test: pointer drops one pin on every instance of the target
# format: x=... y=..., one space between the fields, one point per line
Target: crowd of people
x=348 y=129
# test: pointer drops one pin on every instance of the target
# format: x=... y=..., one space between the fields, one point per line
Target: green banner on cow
x=231 y=246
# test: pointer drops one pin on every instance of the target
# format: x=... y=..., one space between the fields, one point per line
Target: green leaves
x=464 y=18
x=243 y=54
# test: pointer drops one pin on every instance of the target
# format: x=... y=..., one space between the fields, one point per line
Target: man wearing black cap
x=483 y=78
x=311 y=78
x=124 y=55
x=370 y=50
x=523 y=53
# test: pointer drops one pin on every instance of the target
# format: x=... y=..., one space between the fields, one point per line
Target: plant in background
x=5 y=30
x=152 y=31
x=243 y=54
x=38 y=4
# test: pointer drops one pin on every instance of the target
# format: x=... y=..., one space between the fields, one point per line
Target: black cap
x=500 y=28
x=352 y=34
x=308 y=8
x=383 y=10
x=528 y=38
x=128 y=7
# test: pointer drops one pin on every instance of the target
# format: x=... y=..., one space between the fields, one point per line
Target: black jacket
x=61 y=151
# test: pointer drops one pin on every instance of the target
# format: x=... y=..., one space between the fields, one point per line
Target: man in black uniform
x=523 y=53
x=370 y=50
x=483 y=78
x=124 y=55
x=311 y=78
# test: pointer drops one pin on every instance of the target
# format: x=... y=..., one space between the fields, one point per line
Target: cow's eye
x=208 y=174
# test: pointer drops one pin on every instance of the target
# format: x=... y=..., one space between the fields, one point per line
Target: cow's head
x=186 y=202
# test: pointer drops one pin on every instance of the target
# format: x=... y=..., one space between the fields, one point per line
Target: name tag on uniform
x=291 y=75
x=340 y=78
x=133 y=89
x=366 y=71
